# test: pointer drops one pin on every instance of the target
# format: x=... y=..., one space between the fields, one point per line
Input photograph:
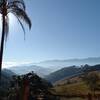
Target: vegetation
x=92 y=80
x=28 y=87
x=16 y=7
x=31 y=86
x=84 y=87
x=74 y=88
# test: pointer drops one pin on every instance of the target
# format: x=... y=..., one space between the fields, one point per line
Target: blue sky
x=61 y=29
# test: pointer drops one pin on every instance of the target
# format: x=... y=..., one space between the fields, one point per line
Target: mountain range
x=6 y=76
x=58 y=64
x=46 y=67
x=41 y=71
x=71 y=71
x=63 y=73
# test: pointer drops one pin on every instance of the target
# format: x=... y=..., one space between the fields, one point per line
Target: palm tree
x=16 y=7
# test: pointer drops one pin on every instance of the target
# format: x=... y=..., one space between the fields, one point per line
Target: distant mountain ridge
x=6 y=76
x=28 y=68
x=71 y=71
x=7 y=72
x=58 y=64
x=75 y=59
x=49 y=66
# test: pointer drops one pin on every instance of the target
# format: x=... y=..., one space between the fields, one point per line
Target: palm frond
x=6 y=27
x=21 y=25
x=1 y=3
x=21 y=15
x=18 y=3
x=17 y=7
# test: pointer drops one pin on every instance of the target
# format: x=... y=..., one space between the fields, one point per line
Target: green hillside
x=70 y=88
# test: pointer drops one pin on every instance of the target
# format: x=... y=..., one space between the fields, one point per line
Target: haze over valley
x=47 y=67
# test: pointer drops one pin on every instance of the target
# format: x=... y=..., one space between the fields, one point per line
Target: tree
x=16 y=7
x=30 y=87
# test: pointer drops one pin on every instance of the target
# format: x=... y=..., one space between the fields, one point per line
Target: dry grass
x=76 y=88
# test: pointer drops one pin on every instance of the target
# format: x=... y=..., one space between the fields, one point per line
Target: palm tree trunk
x=2 y=43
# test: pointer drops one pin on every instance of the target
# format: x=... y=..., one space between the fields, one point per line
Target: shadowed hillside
x=71 y=71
